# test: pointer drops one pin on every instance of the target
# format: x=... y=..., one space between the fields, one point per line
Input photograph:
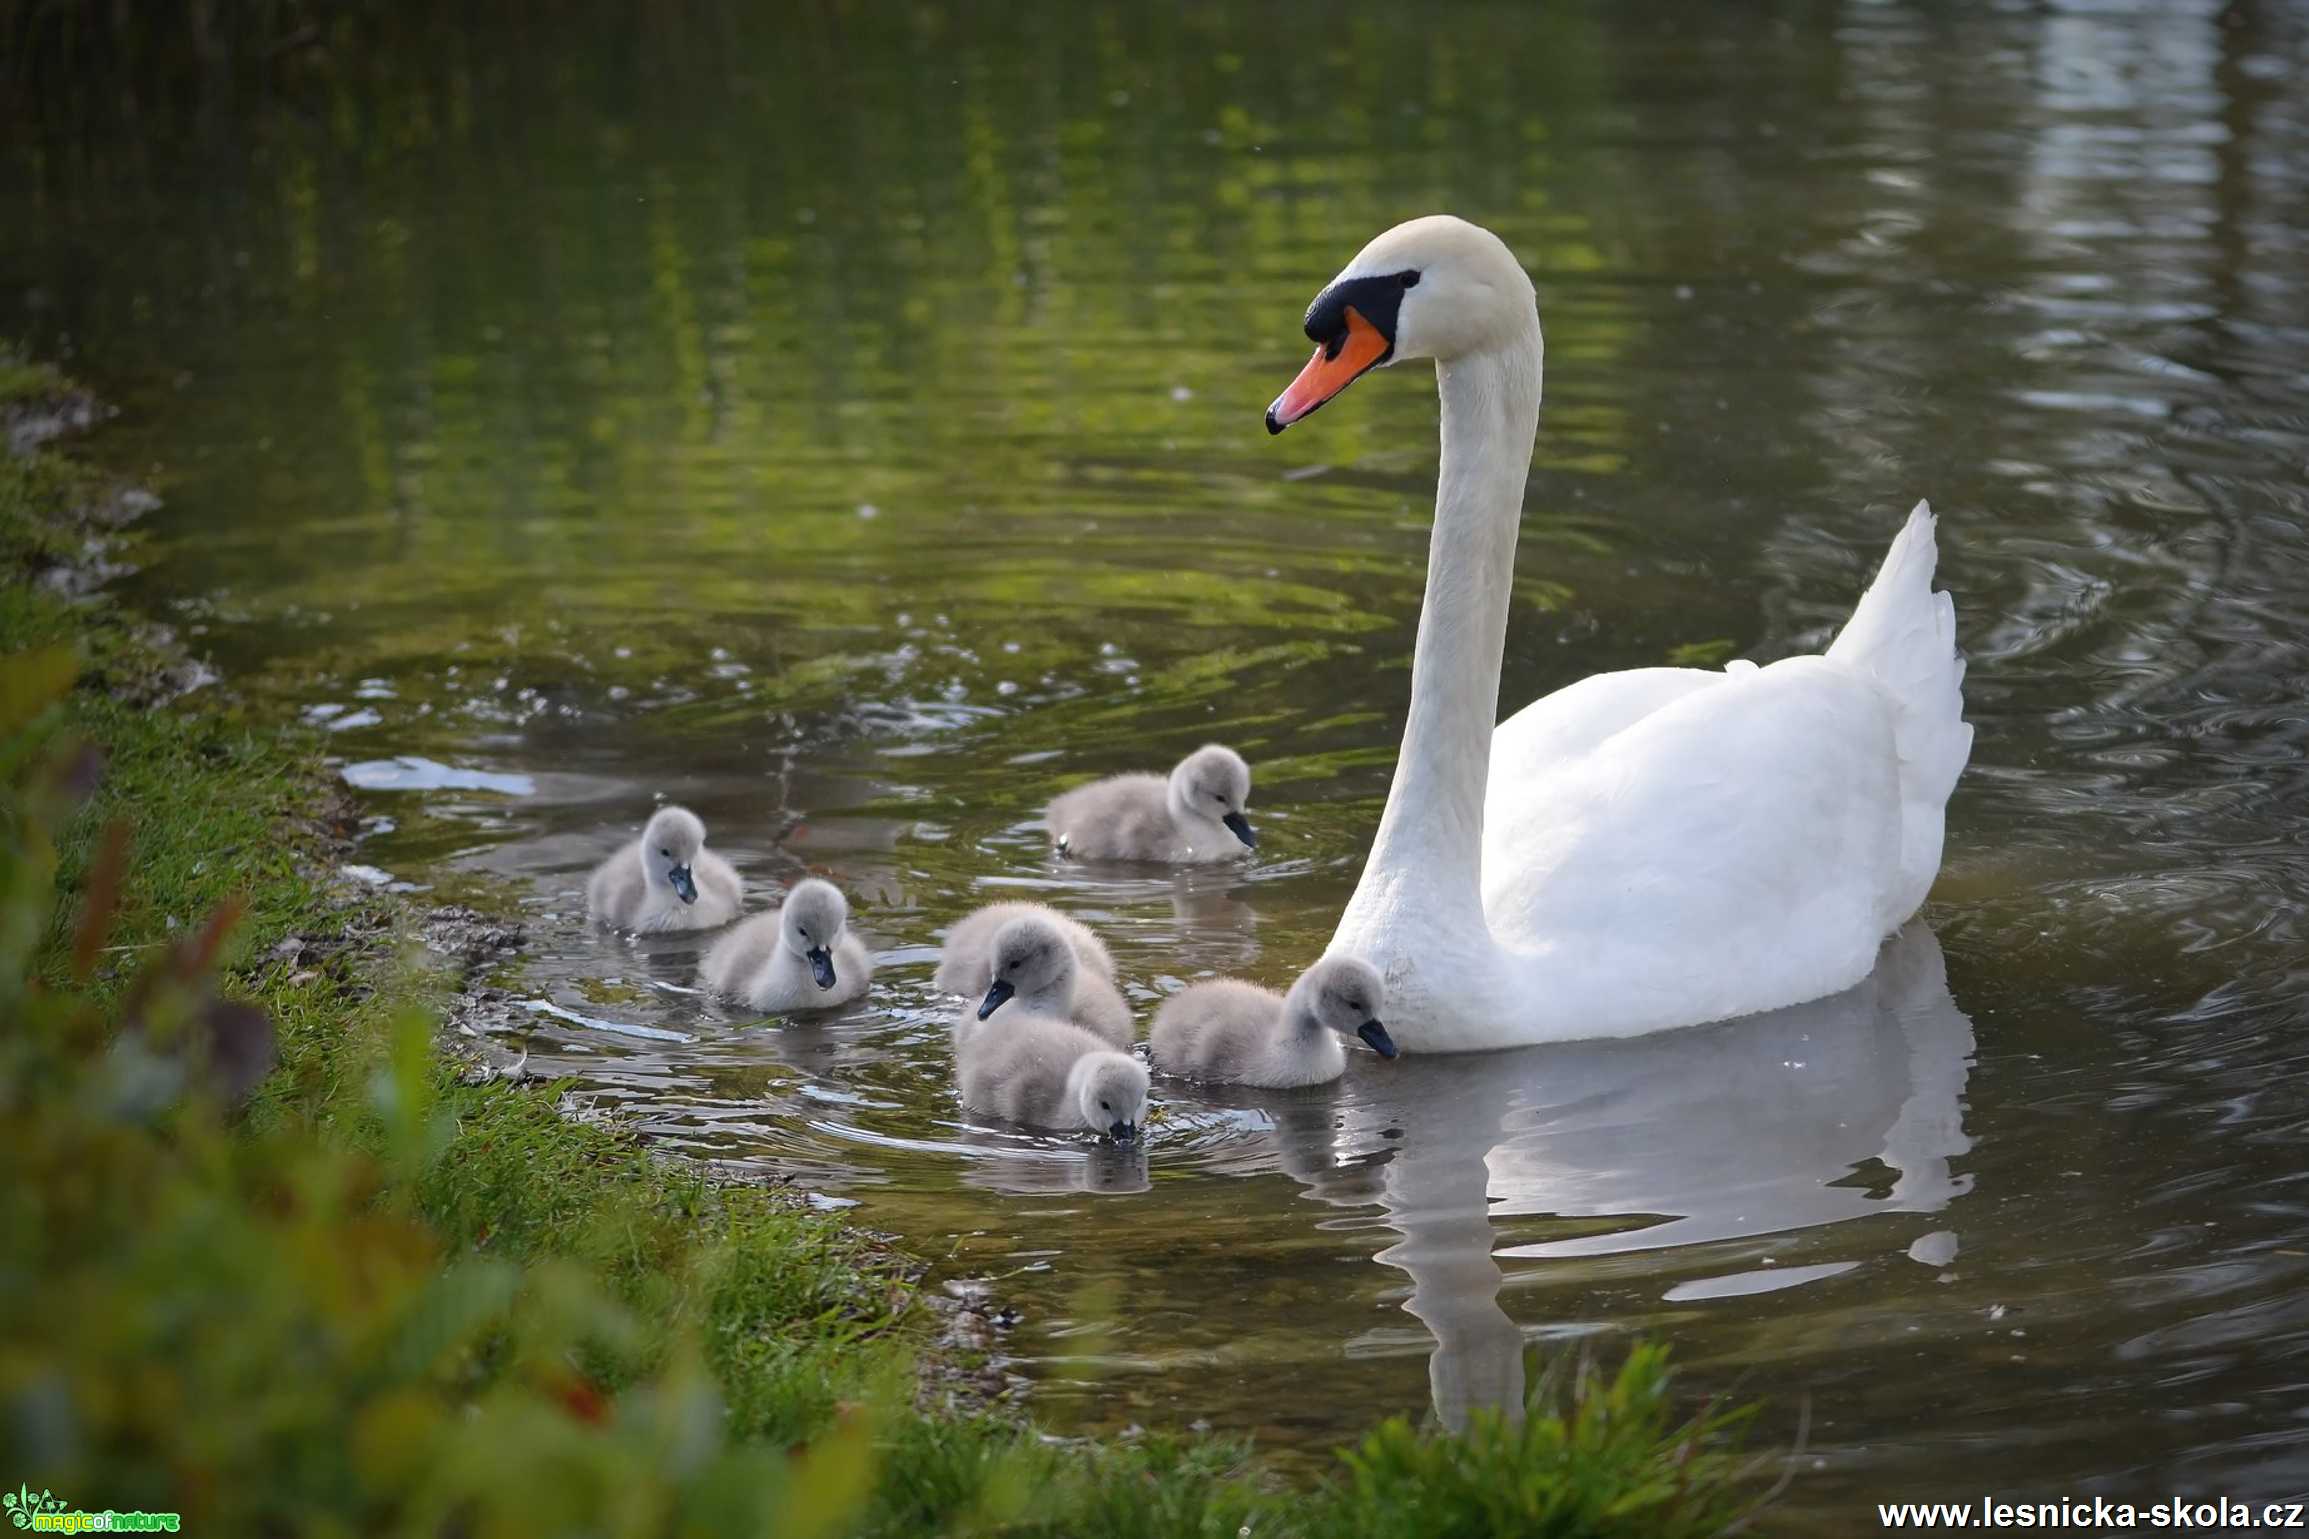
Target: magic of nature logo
x=44 y=1512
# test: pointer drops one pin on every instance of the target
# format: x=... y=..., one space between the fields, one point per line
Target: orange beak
x=1333 y=368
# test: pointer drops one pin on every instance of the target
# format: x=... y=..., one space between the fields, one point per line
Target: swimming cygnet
x=799 y=956
x=666 y=880
x=1036 y=971
x=966 y=967
x=1048 y=1073
x=1195 y=815
x=1227 y=1030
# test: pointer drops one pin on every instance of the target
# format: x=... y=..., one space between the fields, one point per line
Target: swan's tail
x=1903 y=635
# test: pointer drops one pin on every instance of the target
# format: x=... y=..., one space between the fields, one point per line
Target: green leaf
x=31 y=682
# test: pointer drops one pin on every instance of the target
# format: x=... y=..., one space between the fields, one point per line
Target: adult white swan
x=1639 y=850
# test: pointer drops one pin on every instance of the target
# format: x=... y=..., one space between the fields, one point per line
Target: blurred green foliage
x=1593 y=1454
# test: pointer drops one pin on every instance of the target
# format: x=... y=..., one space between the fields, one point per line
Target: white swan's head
x=1343 y=995
x=1214 y=783
x=811 y=922
x=1109 y=1089
x=669 y=845
x=1033 y=957
x=1436 y=287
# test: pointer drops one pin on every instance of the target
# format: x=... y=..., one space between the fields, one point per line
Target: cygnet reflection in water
x=1720 y=1132
x=1102 y=1169
x=1214 y=924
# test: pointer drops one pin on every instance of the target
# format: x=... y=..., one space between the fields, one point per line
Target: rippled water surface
x=849 y=427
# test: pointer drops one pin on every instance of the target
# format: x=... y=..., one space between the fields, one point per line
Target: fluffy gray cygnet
x=1035 y=971
x=1049 y=1073
x=799 y=956
x=665 y=880
x=1090 y=999
x=1228 y=1031
x=1192 y=817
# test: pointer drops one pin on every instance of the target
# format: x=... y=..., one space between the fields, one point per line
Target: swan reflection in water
x=1726 y=1132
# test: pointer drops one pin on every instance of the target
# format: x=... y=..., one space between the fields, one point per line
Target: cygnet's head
x=1109 y=1089
x=1032 y=957
x=1213 y=783
x=1343 y=995
x=811 y=922
x=1436 y=287
x=668 y=846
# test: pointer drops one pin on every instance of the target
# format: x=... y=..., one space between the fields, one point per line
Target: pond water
x=849 y=427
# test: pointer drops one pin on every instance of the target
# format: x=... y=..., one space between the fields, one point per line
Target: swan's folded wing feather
x=1574 y=719
x=1730 y=844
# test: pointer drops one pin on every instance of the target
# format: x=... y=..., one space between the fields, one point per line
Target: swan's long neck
x=1431 y=835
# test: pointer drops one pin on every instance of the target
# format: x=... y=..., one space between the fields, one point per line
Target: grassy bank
x=269 y=1260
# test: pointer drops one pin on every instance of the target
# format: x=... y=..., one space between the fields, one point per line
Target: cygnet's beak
x=821 y=966
x=1376 y=1034
x=1337 y=363
x=685 y=887
x=996 y=997
x=1123 y=1132
x=1240 y=827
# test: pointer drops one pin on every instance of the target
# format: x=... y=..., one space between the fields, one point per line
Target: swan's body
x=1033 y=968
x=1049 y=1073
x=1226 y=1030
x=1639 y=850
x=1192 y=816
x=665 y=880
x=802 y=955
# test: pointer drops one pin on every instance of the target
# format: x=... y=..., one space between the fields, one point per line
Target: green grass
x=372 y=1298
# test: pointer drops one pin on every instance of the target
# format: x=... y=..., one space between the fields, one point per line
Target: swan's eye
x=1409 y=280
x=1102 y=1106
x=668 y=854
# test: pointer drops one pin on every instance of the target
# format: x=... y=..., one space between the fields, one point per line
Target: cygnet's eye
x=668 y=854
x=1102 y=1106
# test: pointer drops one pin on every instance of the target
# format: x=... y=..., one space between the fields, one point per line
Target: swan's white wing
x=1555 y=728
x=1734 y=845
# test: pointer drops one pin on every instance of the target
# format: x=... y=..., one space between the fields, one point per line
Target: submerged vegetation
x=275 y=1262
